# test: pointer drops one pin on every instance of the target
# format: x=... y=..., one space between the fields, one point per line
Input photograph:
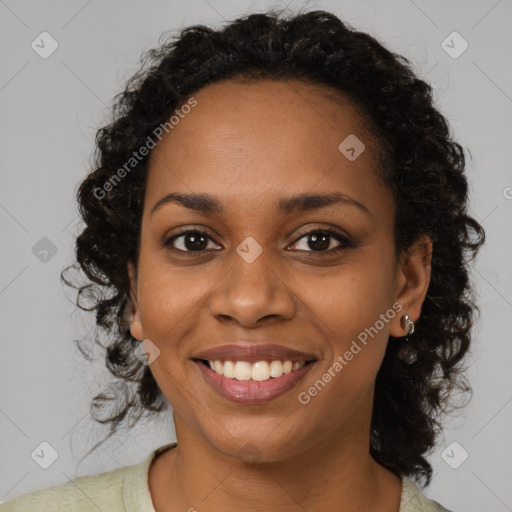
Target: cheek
x=169 y=301
x=169 y=310
x=354 y=310
x=354 y=318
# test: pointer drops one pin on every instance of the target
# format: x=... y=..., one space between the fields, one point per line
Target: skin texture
x=252 y=144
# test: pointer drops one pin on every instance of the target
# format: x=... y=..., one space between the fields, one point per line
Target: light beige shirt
x=126 y=490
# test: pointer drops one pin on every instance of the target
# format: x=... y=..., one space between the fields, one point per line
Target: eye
x=320 y=240
x=189 y=241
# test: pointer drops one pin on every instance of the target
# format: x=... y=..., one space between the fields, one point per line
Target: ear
x=135 y=322
x=412 y=280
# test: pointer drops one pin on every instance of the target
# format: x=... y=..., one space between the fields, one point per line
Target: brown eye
x=189 y=241
x=320 y=240
x=315 y=241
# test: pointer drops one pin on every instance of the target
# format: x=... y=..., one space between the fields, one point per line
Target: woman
x=277 y=234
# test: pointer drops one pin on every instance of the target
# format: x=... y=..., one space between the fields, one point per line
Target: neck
x=333 y=473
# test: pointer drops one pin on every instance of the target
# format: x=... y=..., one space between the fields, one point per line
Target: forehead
x=250 y=142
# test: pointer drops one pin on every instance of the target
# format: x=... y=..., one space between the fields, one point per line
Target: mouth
x=253 y=381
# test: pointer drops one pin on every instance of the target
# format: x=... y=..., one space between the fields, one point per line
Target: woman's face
x=257 y=277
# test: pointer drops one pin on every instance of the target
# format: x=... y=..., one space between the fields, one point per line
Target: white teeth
x=242 y=370
x=287 y=367
x=229 y=369
x=218 y=367
x=276 y=369
x=258 y=371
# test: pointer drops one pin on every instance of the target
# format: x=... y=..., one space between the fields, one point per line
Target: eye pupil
x=198 y=242
x=320 y=241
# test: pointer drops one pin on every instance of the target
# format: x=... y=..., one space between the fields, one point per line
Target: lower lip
x=251 y=391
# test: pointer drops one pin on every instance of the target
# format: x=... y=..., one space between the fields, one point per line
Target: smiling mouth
x=253 y=382
x=256 y=371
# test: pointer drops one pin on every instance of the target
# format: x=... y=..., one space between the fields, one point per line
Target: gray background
x=50 y=110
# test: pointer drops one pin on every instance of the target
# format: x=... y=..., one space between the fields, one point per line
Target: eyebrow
x=299 y=203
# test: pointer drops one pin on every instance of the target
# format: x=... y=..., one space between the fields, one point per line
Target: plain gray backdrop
x=50 y=110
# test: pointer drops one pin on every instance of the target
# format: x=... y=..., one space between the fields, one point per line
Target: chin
x=256 y=446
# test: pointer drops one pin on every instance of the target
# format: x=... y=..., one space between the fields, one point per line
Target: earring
x=408 y=323
x=406 y=352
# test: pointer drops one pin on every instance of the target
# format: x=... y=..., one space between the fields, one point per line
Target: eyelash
x=345 y=241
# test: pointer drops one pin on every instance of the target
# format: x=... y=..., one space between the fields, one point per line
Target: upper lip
x=253 y=352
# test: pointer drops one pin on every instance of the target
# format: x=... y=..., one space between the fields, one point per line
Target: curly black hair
x=418 y=160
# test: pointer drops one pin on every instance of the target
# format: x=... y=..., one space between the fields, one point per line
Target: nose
x=252 y=292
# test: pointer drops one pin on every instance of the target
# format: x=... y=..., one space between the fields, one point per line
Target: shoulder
x=413 y=500
x=124 y=489
x=102 y=491
x=81 y=493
